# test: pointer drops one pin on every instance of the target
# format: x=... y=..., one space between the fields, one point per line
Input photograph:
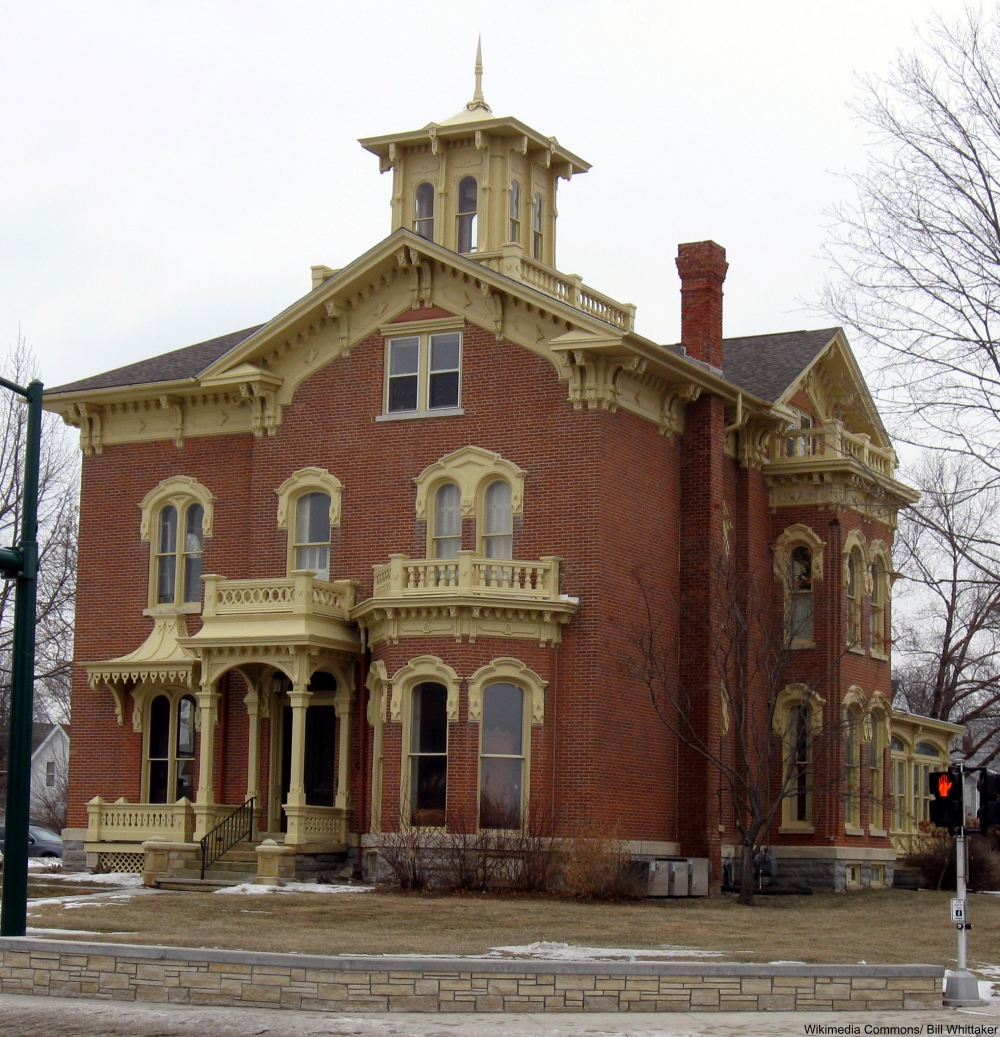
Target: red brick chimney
x=702 y=267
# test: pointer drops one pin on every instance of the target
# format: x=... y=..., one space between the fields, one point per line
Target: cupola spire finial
x=478 y=101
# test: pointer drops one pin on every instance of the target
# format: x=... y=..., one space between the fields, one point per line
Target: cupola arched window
x=423 y=215
x=536 y=228
x=515 y=211
x=447 y=521
x=468 y=191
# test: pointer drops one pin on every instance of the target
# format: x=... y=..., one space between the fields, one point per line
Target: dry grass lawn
x=883 y=926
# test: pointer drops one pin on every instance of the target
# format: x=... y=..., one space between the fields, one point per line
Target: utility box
x=678 y=877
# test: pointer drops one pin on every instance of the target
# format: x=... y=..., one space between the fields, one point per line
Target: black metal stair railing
x=231 y=830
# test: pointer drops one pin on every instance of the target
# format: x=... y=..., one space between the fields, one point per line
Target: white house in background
x=49 y=769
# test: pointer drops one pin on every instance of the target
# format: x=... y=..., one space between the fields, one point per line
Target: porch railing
x=227 y=833
x=135 y=822
x=468 y=574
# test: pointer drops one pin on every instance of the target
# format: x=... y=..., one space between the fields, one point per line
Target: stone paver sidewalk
x=27 y=1016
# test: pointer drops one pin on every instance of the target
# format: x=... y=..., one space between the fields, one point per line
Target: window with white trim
x=800 y=596
x=852 y=754
x=447 y=522
x=170 y=749
x=502 y=757
x=423 y=373
x=50 y=774
x=468 y=208
x=423 y=214
x=179 y=548
x=311 y=546
x=497 y=536
x=428 y=755
x=536 y=228
x=854 y=569
x=514 y=229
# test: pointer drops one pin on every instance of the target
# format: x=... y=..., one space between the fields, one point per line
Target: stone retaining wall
x=120 y=972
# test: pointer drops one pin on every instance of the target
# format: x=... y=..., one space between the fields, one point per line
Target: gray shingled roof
x=168 y=367
x=766 y=365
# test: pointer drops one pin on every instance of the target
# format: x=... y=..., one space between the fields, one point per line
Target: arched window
x=185 y=747
x=514 y=234
x=853 y=600
x=312 y=534
x=879 y=600
x=800 y=596
x=536 y=228
x=501 y=757
x=468 y=191
x=159 y=749
x=852 y=753
x=876 y=785
x=447 y=537
x=799 y=759
x=179 y=553
x=170 y=749
x=898 y=780
x=423 y=215
x=921 y=779
x=428 y=762
x=498 y=521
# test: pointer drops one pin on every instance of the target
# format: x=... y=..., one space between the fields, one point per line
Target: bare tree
x=57 y=532
x=769 y=750
x=947 y=623
x=917 y=253
x=48 y=806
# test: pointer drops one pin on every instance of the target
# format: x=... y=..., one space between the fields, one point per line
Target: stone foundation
x=181 y=975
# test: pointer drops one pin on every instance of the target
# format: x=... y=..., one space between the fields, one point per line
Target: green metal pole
x=14 y=912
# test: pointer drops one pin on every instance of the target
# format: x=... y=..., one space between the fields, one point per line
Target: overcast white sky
x=172 y=169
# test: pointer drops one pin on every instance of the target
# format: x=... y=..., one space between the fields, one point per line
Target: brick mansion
x=376 y=563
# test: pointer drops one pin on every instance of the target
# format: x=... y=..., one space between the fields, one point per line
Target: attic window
x=424 y=374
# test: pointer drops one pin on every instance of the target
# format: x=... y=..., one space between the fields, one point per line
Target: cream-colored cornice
x=247 y=388
x=385 y=146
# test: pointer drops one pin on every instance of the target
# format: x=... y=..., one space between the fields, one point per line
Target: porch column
x=208 y=708
x=342 y=706
x=299 y=698
x=253 y=703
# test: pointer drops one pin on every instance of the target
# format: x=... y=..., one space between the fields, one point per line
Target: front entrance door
x=320 y=762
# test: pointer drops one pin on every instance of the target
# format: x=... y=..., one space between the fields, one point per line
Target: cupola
x=477 y=182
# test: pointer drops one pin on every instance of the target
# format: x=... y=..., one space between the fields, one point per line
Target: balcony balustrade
x=405 y=577
x=802 y=449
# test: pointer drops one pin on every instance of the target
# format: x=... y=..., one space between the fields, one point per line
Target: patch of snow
x=293 y=887
x=782 y=961
x=50 y=865
x=551 y=951
x=113 y=878
x=31 y=930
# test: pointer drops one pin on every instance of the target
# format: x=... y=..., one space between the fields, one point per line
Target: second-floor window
x=447 y=536
x=853 y=600
x=312 y=534
x=424 y=373
x=423 y=214
x=468 y=191
x=179 y=547
x=800 y=596
x=498 y=521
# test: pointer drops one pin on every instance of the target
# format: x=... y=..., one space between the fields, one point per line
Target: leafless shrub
x=934 y=857
x=598 y=864
x=412 y=856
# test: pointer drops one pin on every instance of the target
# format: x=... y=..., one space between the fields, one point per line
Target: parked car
x=41 y=842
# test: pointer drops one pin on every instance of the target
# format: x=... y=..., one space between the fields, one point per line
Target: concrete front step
x=197 y=885
x=213 y=874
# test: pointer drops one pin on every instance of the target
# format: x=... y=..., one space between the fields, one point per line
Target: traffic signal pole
x=21 y=564
x=962 y=987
